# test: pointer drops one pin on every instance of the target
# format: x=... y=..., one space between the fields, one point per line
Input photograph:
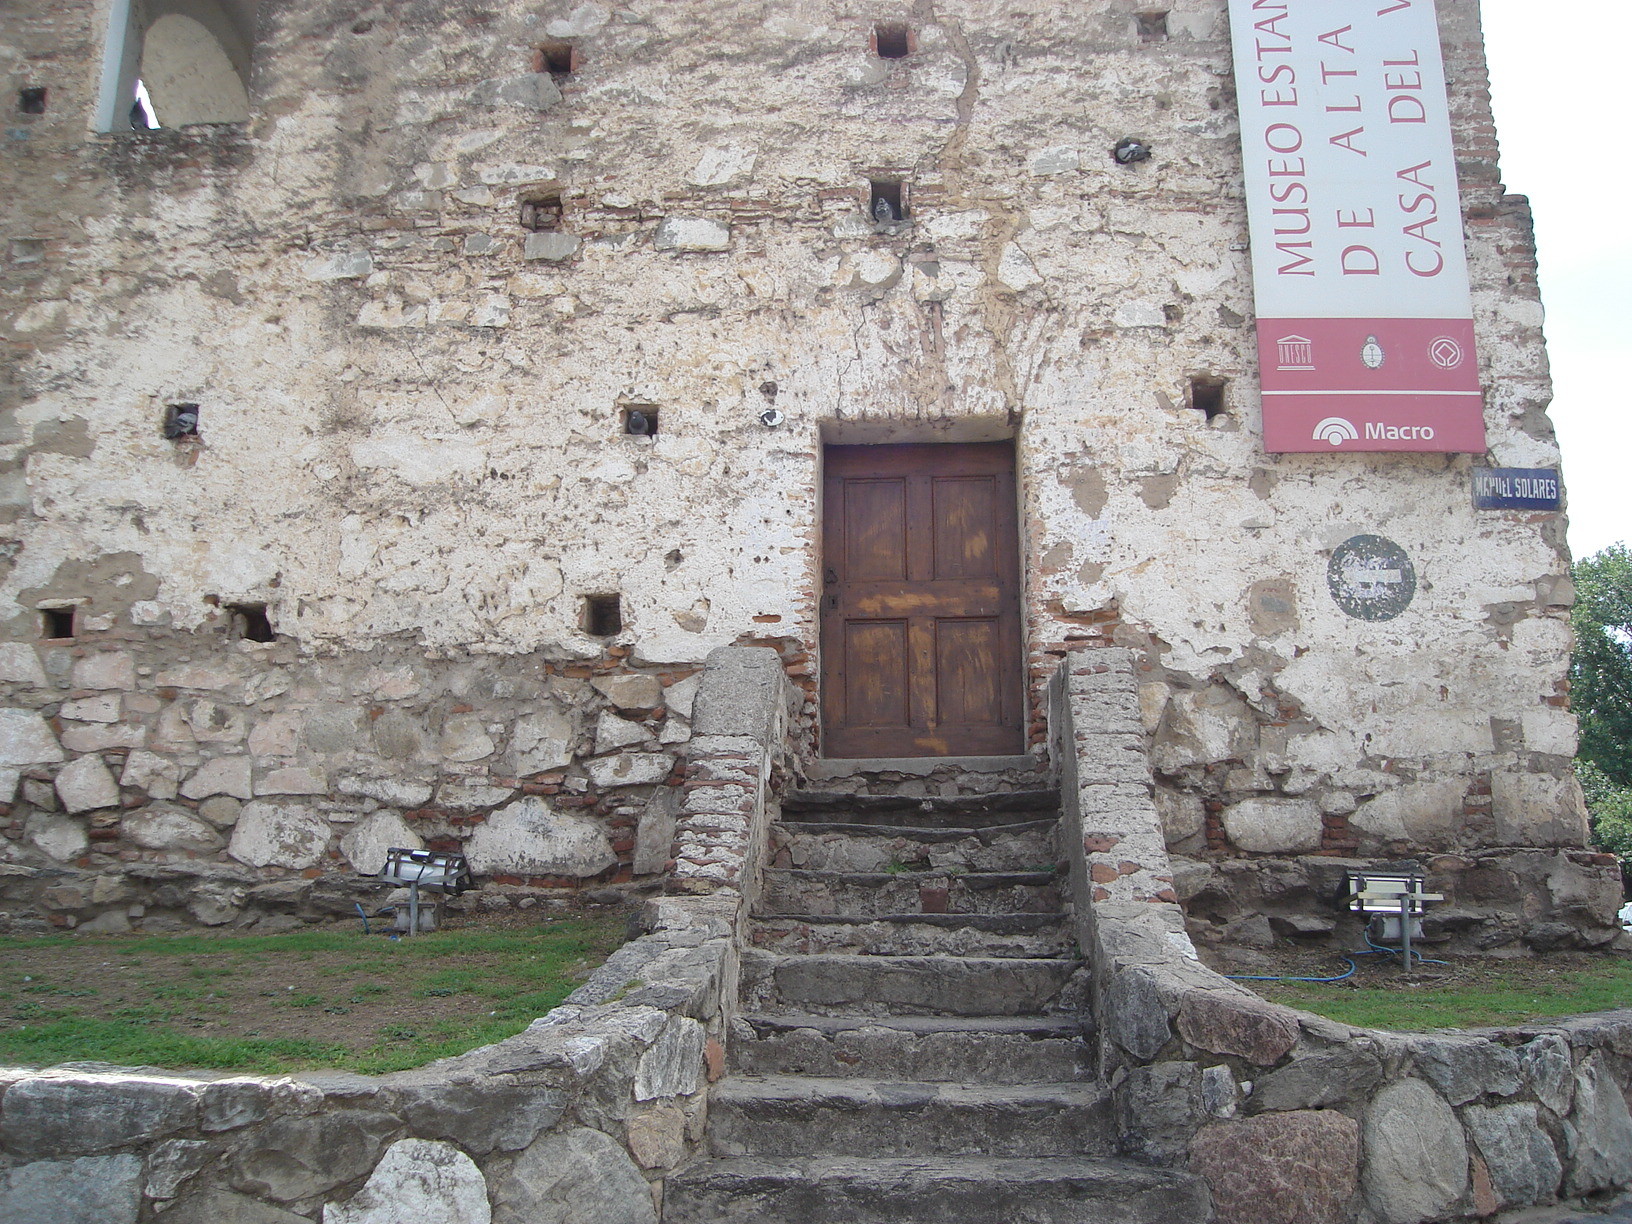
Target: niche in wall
x=175 y=63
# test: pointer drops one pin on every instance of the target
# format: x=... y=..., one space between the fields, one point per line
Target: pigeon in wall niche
x=883 y=210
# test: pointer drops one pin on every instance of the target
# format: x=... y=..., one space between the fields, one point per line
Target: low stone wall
x=579 y=1117
x=1291 y=1117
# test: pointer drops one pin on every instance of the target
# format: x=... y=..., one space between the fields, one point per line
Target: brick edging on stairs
x=1289 y=1116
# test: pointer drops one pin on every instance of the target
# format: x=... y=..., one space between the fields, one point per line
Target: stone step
x=962 y=811
x=945 y=1190
x=972 y=1049
x=790 y=1115
x=911 y=985
x=863 y=894
x=917 y=934
x=833 y=846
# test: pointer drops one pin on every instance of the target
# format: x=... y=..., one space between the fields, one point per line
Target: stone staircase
x=911 y=1044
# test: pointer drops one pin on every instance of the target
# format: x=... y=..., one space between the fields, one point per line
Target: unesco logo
x=1446 y=353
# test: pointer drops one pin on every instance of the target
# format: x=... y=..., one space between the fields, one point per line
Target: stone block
x=232 y=1103
x=534 y=91
x=25 y=739
x=1549 y=1072
x=1463 y=1068
x=1424 y=813
x=222 y=811
x=1416 y=1159
x=580 y=1176
x=541 y=742
x=224 y=1207
x=691 y=234
x=464 y=738
x=1522 y=1163
x=629 y=769
x=657 y=1137
x=275 y=736
x=270 y=834
x=1598 y=1132
x=741 y=692
x=85 y=784
x=471 y=796
x=61 y=1114
x=214 y=723
x=292 y=781
x=1202 y=727
x=103 y=708
x=1274 y=826
x=147 y=771
x=163 y=826
x=680 y=696
x=228 y=775
x=1184 y=819
x=1346 y=1075
x=654 y=834
x=1280 y=1168
x=20 y=664
x=396 y=792
x=528 y=838
x=173 y=1163
x=57 y=837
x=1225 y=1022
x=109 y=669
x=481 y=1117
x=1535 y=809
x=99 y=737
x=89 y=1190
x=295 y=1158
x=417 y=1180
x=551 y=247
x=630 y=691
x=673 y=1066
x=612 y=732
x=369 y=839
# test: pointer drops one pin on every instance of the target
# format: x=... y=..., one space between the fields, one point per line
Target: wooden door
x=921 y=602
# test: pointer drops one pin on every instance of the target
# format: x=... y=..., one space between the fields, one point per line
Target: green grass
x=1513 y=992
x=273 y=1003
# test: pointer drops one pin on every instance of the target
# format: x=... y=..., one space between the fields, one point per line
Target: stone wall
x=580 y=1117
x=584 y=1112
x=1292 y=1118
x=411 y=447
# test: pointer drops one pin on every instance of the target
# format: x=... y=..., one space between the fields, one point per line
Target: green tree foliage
x=1601 y=670
x=1610 y=807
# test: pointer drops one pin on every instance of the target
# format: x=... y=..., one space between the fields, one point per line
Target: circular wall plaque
x=1371 y=578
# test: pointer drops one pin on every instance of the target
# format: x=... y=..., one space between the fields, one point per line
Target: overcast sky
x=1559 y=78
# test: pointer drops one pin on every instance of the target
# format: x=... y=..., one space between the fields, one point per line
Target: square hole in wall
x=180 y=421
x=542 y=212
x=1207 y=395
x=57 y=623
x=250 y=623
x=892 y=40
x=887 y=200
x=603 y=615
x=31 y=101
x=640 y=420
x=555 y=57
x=1152 y=27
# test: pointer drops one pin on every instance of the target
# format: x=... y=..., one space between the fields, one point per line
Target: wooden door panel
x=964 y=521
x=876 y=691
x=875 y=544
x=921 y=609
x=967 y=682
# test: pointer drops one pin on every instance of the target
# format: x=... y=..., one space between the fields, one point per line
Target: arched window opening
x=176 y=63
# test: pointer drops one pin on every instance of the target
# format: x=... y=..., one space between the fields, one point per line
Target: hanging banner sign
x=1365 y=327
